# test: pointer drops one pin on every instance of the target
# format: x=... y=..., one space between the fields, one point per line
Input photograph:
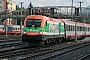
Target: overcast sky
x=39 y=3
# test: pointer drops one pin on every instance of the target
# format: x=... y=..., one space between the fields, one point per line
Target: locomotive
x=39 y=30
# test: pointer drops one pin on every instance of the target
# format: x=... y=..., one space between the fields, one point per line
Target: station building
x=11 y=6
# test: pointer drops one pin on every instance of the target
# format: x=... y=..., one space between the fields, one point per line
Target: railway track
x=10 y=37
x=24 y=51
x=41 y=53
x=47 y=55
x=85 y=56
x=9 y=45
x=9 y=40
x=6 y=46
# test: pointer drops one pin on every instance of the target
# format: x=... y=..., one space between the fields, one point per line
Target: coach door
x=9 y=28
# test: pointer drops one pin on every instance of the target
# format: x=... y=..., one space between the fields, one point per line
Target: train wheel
x=59 y=40
x=43 y=43
x=56 y=41
x=47 y=41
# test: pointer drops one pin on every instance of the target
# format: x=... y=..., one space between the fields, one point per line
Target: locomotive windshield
x=33 y=23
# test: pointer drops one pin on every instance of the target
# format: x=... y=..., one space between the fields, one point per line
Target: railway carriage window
x=88 y=28
x=77 y=28
x=83 y=28
x=80 y=28
x=16 y=28
x=33 y=23
x=73 y=28
x=69 y=27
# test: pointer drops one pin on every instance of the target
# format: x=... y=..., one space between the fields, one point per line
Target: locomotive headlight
x=24 y=32
x=41 y=32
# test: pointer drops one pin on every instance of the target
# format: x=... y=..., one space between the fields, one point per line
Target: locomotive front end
x=33 y=30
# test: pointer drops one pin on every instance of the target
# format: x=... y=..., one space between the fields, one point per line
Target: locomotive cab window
x=33 y=23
